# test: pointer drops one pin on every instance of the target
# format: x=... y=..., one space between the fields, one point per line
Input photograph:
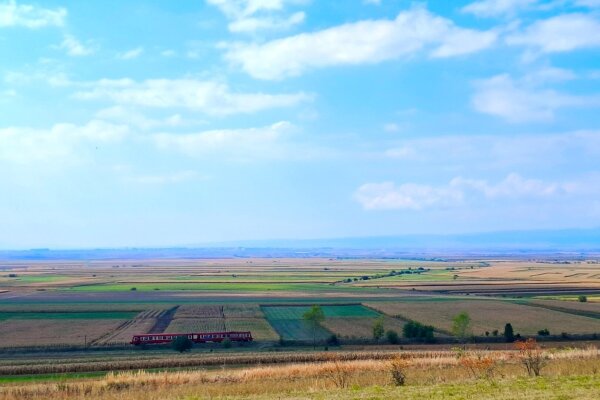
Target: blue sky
x=144 y=123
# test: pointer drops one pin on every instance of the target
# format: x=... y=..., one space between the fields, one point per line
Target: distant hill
x=528 y=244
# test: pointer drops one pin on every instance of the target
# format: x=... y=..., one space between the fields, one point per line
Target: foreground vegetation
x=444 y=374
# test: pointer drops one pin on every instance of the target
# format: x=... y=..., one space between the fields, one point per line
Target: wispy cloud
x=74 y=47
x=249 y=16
x=494 y=8
x=30 y=16
x=210 y=97
x=24 y=145
x=242 y=144
x=364 y=42
x=411 y=196
x=131 y=54
x=524 y=100
x=565 y=32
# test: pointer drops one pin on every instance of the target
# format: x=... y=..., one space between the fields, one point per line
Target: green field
x=289 y=324
x=296 y=312
x=297 y=329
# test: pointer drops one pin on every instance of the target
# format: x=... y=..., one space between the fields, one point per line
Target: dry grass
x=487 y=315
x=423 y=369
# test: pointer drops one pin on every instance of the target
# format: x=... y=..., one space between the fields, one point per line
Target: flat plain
x=88 y=311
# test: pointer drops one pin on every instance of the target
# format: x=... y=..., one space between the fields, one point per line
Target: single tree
x=181 y=344
x=378 y=329
x=582 y=299
x=509 y=333
x=461 y=325
x=314 y=317
x=392 y=337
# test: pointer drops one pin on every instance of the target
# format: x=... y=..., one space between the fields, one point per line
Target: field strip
x=582 y=313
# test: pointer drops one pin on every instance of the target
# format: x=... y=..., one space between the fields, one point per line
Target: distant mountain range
x=527 y=244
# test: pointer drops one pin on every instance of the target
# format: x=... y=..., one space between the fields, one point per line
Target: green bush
x=392 y=337
x=544 y=332
x=416 y=330
x=181 y=344
x=226 y=343
x=582 y=299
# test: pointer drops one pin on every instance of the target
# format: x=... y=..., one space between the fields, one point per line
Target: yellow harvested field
x=574 y=272
x=44 y=332
x=260 y=328
x=488 y=315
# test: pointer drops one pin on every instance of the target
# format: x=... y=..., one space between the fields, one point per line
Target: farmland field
x=94 y=305
x=41 y=332
x=269 y=296
x=490 y=315
x=260 y=328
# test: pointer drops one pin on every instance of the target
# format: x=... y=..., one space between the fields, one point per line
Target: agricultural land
x=65 y=328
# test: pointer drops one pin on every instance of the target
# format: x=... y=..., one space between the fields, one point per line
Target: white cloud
x=209 y=97
x=588 y=3
x=411 y=196
x=249 y=16
x=124 y=115
x=493 y=8
x=520 y=101
x=27 y=145
x=562 y=33
x=513 y=185
x=253 y=24
x=74 y=47
x=131 y=54
x=237 y=143
x=364 y=42
x=30 y=16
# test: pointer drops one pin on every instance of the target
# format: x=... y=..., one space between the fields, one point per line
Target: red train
x=196 y=337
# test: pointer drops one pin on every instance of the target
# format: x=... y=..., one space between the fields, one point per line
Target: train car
x=196 y=337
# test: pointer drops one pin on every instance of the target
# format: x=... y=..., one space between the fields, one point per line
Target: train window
x=195 y=336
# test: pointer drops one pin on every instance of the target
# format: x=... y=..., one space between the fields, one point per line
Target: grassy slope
x=580 y=388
